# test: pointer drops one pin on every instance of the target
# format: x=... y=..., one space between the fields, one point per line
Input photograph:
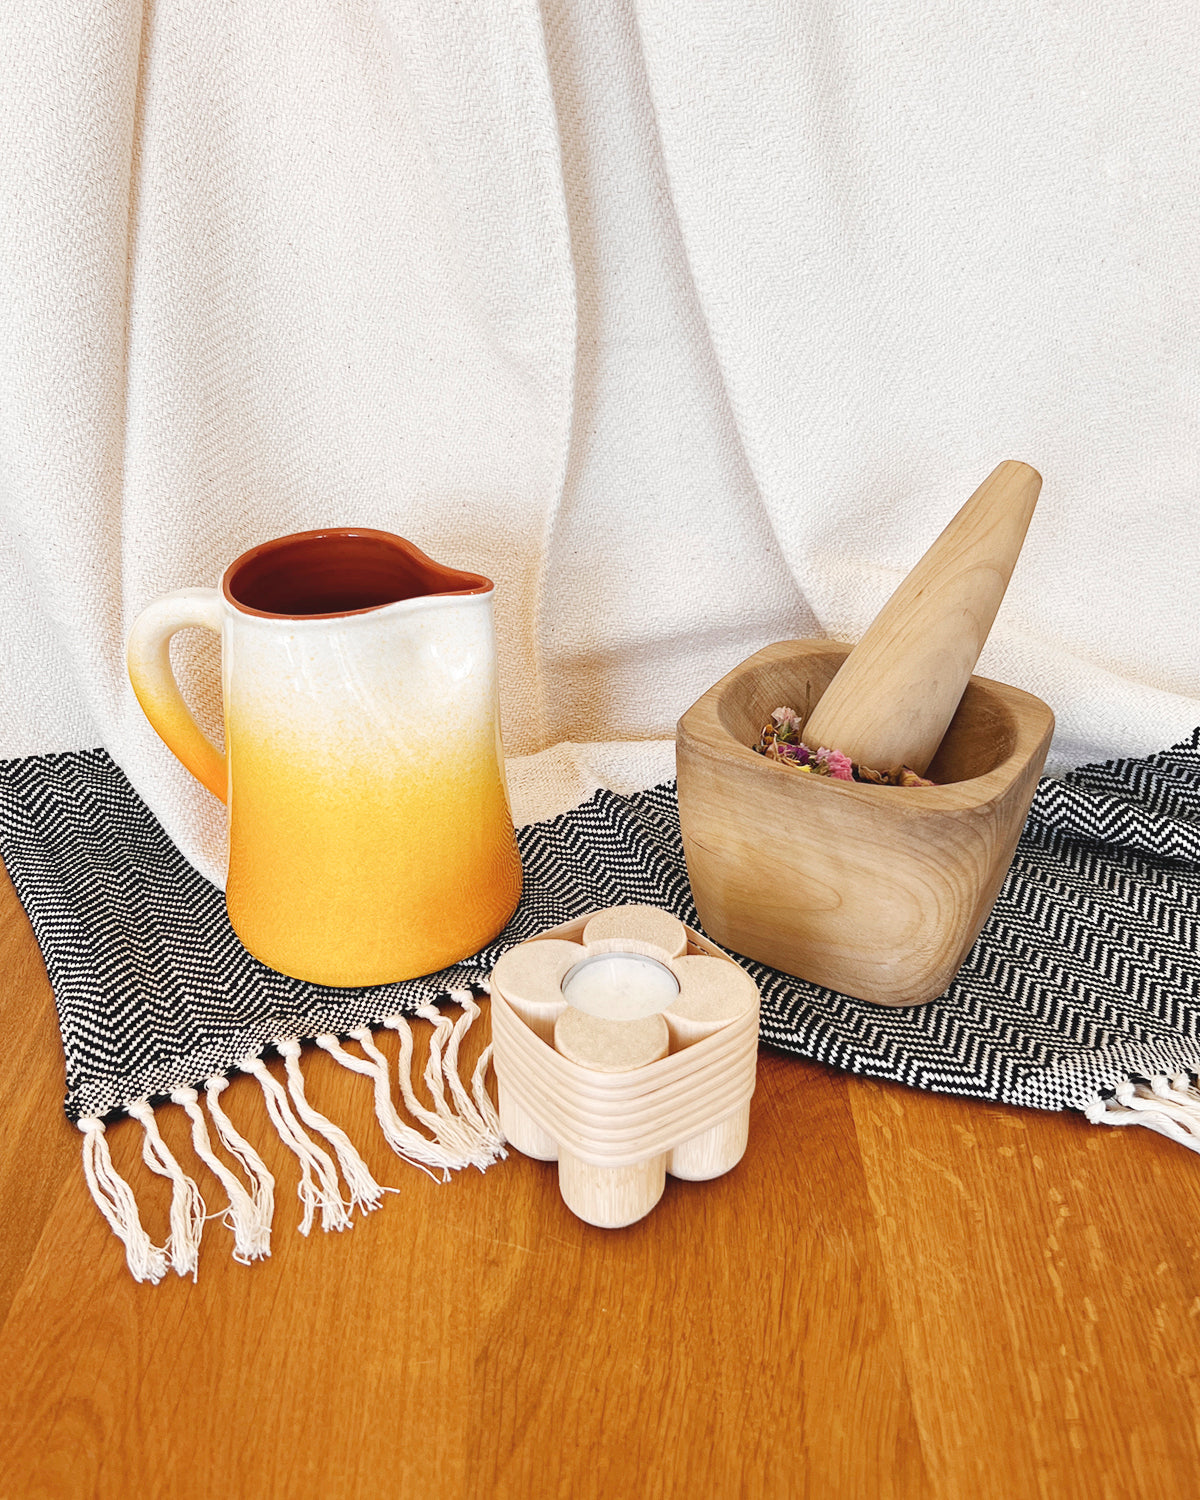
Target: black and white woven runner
x=1086 y=974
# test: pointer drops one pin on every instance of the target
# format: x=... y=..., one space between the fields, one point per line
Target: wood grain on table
x=895 y=1294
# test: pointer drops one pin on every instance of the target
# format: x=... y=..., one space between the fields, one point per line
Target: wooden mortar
x=874 y=891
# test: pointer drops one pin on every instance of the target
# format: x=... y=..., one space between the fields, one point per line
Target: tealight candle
x=620 y=986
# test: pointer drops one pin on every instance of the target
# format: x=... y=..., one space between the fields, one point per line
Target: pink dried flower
x=787 y=724
x=837 y=765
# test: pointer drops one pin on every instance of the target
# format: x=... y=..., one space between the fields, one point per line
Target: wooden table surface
x=894 y=1294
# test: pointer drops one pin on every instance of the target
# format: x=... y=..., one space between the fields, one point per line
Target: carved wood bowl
x=877 y=892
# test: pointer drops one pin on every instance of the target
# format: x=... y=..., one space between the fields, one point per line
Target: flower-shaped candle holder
x=625 y=1047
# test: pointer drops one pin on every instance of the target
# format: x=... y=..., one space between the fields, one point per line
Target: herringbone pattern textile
x=1087 y=972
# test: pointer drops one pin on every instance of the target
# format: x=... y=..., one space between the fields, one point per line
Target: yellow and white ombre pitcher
x=370 y=837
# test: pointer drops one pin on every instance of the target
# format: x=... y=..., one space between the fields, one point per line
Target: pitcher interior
x=319 y=574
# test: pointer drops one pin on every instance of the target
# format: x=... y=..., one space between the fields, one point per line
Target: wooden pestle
x=894 y=696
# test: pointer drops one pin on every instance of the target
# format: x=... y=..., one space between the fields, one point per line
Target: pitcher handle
x=149 y=660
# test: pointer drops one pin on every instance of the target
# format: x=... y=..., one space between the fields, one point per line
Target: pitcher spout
x=340 y=571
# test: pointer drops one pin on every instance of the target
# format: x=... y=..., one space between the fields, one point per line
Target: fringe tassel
x=1168 y=1105
x=406 y=1142
x=262 y=1184
x=490 y=1139
x=114 y=1198
x=439 y=1071
x=251 y=1238
x=187 y=1204
x=479 y=1085
x=435 y=1081
x=465 y=1128
x=318 y=1186
x=365 y=1192
x=1179 y=1104
x=1179 y=1088
x=447 y=1131
x=483 y=1100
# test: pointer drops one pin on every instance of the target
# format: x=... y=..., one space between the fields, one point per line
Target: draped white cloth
x=690 y=322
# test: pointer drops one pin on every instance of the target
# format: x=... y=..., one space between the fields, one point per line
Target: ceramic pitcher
x=370 y=837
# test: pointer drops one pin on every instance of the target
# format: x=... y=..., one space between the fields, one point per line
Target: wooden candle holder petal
x=874 y=891
x=615 y=1134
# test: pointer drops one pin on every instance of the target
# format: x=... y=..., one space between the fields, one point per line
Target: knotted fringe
x=463 y=1126
x=483 y=1100
x=187 y=1205
x=465 y=1133
x=403 y=1139
x=491 y=1141
x=447 y=1131
x=262 y=1184
x=251 y=1236
x=1167 y=1103
x=115 y=1200
x=365 y=1192
x=318 y=1186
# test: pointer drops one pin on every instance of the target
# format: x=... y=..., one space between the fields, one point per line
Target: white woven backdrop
x=690 y=323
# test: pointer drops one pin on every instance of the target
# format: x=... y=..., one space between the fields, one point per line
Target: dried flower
x=838 y=765
x=787 y=725
x=780 y=741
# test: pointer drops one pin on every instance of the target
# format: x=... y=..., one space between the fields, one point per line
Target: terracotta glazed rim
x=414 y=575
